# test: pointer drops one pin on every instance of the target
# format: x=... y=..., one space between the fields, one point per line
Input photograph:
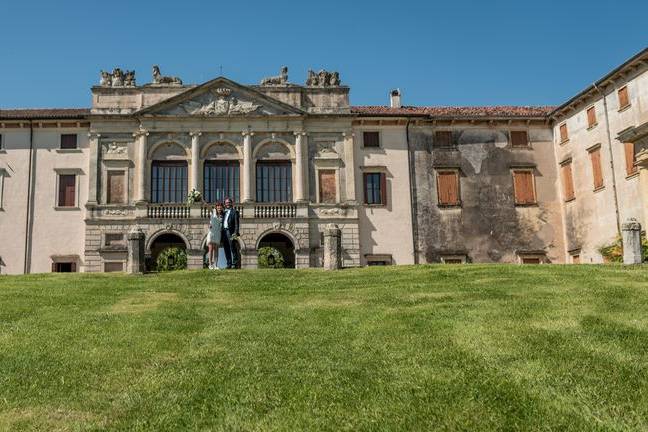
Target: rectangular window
x=375 y=188
x=519 y=139
x=116 y=193
x=624 y=99
x=379 y=260
x=567 y=180
x=564 y=134
x=169 y=182
x=531 y=260
x=576 y=259
x=443 y=139
x=221 y=180
x=68 y=141
x=63 y=267
x=597 y=173
x=371 y=139
x=591 y=117
x=448 y=188
x=524 y=188
x=631 y=168
x=66 y=190
x=327 y=186
x=274 y=181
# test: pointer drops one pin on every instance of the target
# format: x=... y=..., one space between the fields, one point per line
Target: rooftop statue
x=322 y=78
x=280 y=79
x=159 y=79
x=117 y=78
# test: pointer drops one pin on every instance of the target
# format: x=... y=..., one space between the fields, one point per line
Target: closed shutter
x=448 y=188
x=568 y=181
x=564 y=135
x=630 y=158
x=116 y=187
x=68 y=141
x=327 y=186
x=371 y=139
x=591 y=116
x=443 y=139
x=519 y=139
x=67 y=190
x=624 y=100
x=595 y=157
x=523 y=187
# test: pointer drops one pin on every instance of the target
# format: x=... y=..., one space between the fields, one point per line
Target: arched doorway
x=162 y=242
x=281 y=243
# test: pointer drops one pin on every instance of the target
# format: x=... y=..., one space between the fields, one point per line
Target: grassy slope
x=415 y=348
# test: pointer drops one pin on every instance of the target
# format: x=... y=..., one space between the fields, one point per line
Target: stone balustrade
x=168 y=211
x=271 y=211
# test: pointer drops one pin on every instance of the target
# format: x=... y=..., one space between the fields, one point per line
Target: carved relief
x=323 y=211
x=159 y=79
x=117 y=78
x=115 y=212
x=322 y=78
x=115 y=148
x=281 y=79
x=326 y=149
x=220 y=104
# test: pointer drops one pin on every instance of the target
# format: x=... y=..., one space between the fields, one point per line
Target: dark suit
x=229 y=246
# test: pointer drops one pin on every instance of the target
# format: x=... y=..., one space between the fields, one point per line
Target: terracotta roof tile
x=44 y=113
x=483 y=111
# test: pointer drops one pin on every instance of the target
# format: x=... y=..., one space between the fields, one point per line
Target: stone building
x=404 y=184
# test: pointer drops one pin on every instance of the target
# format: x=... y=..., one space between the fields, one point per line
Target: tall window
x=524 y=188
x=168 y=182
x=564 y=133
x=448 y=188
x=631 y=168
x=591 y=117
x=519 y=139
x=567 y=180
x=624 y=99
x=375 y=188
x=221 y=180
x=327 y=186
x=66 y=190
x=274 y=181
x=597 y=173
x=443 y=139
x=116 y=181
x=68 y=141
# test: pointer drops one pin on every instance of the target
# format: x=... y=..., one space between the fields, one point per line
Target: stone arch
x=228 y=149
x=280 y=230
x=168 y=150
x=151 y=239
x=267 y=148
x=283 y=242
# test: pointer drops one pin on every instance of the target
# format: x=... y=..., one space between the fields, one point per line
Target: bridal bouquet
x=194 y=196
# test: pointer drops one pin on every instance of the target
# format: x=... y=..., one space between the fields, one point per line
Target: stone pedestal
x=332 y=247
x=195 y=259
x=135 y=252
x=631 y=234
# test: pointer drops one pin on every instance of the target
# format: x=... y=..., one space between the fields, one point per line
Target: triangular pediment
x=220 y=97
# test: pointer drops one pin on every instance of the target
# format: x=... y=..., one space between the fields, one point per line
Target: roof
x=44 y=113
x=456 y=112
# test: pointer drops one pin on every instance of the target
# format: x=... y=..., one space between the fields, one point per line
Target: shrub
x=614 y=251
x=171 y=258
x=270 y=257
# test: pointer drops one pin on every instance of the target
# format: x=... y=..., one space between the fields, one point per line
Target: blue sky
x=463 y=52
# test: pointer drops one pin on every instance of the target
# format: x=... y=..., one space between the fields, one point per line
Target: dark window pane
x=68 y=141
x=67 y=190
x=168 y=182
x=221 y=180
x=274 y=181
x=373 y=188
x=371 y=139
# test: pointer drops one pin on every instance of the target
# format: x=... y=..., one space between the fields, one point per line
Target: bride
x=214 y=236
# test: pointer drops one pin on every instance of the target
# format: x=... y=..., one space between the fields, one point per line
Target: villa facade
x=404 y=184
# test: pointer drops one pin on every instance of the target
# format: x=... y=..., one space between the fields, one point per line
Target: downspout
x=27 y=266
x=609 y=138
x=412 y=188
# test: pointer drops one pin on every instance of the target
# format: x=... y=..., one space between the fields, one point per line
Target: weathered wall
x=488 y=227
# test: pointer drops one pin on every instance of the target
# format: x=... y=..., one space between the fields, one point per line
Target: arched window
x=274 y=181
x=221 y=180
x=169 y=181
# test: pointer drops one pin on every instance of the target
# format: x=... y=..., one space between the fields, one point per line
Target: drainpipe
x=609 y=138
x=412 y=188
x=27 y=265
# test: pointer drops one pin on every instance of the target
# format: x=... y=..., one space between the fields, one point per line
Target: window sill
x=61 y=208
x=449 y=206
x=570 y=200
x=564 y=142
x=633 y=175
x=599 y=189
x=375 y=205
x=519 y=147
x=624 y=108
x=589 y=128
x=527 y=205
x=64 y=151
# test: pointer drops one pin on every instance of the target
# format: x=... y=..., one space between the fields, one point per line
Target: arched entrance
x=164 y=241
x=283 y=244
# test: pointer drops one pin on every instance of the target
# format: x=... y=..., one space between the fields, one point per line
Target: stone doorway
x=164 y=241
x=283 y=244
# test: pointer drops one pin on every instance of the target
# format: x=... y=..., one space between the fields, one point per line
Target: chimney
x=395 y=98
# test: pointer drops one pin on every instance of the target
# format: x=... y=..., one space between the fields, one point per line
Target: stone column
x=140 y=193
x=135 y=251
x=349 y=163
x=93 y=168
x=301 y=176
x=631 y=235
x=195 y=159
x=332 y=247
x=247 y=166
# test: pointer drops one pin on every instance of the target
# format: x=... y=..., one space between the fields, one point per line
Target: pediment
x=220 y=97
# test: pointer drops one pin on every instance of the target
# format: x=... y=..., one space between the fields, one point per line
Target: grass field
x=398 y=348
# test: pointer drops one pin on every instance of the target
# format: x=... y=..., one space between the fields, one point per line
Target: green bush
x=171 y=258
x=270 y=257
x=614 y=251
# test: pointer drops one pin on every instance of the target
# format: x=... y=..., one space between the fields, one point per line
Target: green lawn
x=399 y=348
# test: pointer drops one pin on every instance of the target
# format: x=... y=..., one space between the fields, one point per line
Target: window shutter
x=523 y=187
x=327 y=186
x=568 y=181
x=595 y=156
x=624 y=100
x=564 y=135
x=67 y=190
x=68 y=141
x=371 y=139
x=591 y=116
x=630 y=158
x=519 y=139
x=443 y=138
x=383 y=188
x=447 y=188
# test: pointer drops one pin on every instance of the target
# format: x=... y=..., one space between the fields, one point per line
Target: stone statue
x=312 y=78
x=159 y=79
x=106 y=79
x=280 y=79
x=322 y=78
x=117 y=78
x=129 y=78
x=334 y=79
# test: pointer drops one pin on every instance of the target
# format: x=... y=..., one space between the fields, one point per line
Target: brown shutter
x=564 y=135
x=568 y=181
x=624 y=100
x=443 y=138
x=595 y=157
x=67 y=190
x=327 y=186
x=116 y=190
x=630 y=158
x=523 y=187
x=591 y=116
x=383 y=188
x=371 y=139
x=447 y=188
x=519 y=139
x=68 y=141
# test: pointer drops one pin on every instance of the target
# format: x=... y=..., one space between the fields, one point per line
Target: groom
x=230 y=233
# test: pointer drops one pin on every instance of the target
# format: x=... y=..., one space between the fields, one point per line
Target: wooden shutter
x=564 y=134
x=624 y=100
x=68 y=141
x=630 y=158
x=523 y=187
x=383 y=189
x=371 y=139
x=591 y=116
x=448 y=187
x=568 y=181
x=327 y=186
x=67 y=190
x=443 y=138
x=116 y=187
x=519 y=139
x=595 y=157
